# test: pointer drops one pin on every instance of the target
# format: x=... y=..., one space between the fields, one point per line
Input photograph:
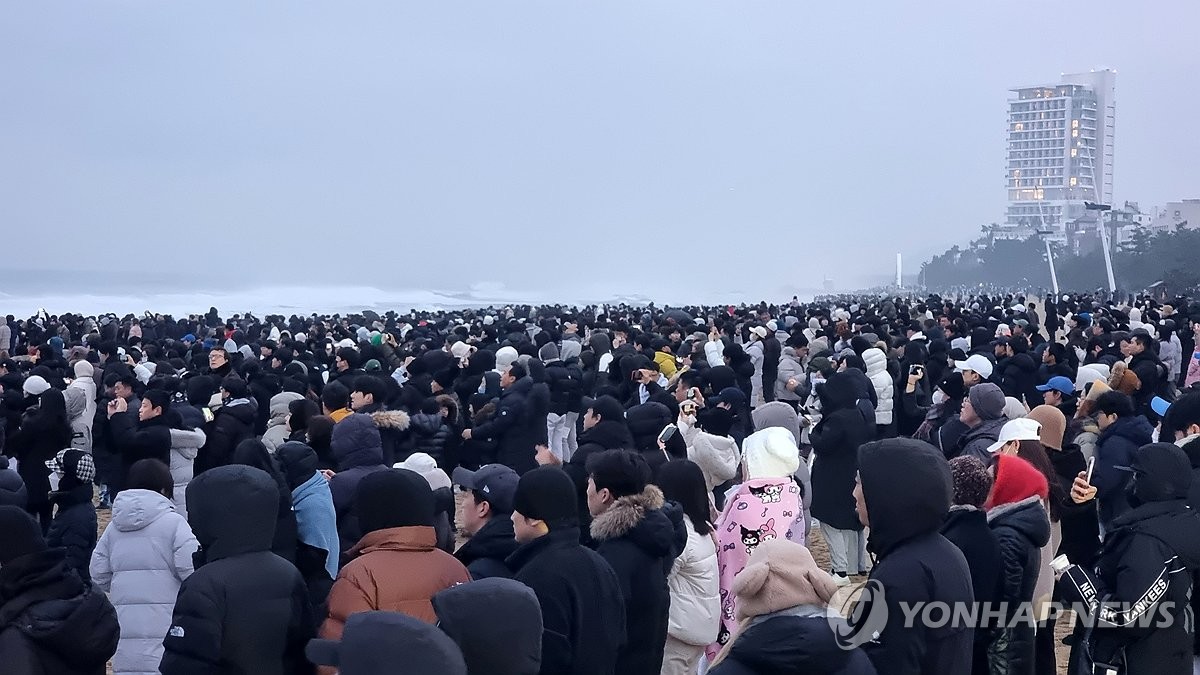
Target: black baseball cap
x=497 y=482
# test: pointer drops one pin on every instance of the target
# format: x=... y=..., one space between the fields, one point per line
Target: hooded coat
x=358 y=450
x=141 y=560
x=75 y=403
x=467 y=613
x=844 y=426
x=51 y=623
x=640 y=536
x=906 y=485
x=244 y=609
x=695 y=614
x=1149 y=556
x=1022 y=529
x=277 y=432
x=876 y=362
x=43 y=432
x=1117 y=445
x=185 y=445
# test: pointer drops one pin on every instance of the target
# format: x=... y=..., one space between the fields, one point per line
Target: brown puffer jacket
x=397 y=570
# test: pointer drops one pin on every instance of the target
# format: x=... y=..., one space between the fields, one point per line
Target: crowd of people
x=610 y=490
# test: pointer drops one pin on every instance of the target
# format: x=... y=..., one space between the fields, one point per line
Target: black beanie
x=235 y=387
x=393 y=498
x=19 y=534
x=548 y=494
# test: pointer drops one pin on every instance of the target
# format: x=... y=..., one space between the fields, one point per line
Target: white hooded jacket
x=876 y=362
x=141 y=560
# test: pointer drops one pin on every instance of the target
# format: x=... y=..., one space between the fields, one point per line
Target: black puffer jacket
x=907 y=487
x=74 y=527
x=843 y=428
x=44 y=431
x=244 y=609
x=357 y=447
x=792 y=644
x=51 y=623
x=1021 y=530
x=430 y=435
x=566 y=387
x=640 y=537
x=485 y=552
x=1145 y=569
x=232 y=424
x=515 y=428
x=1017 y=377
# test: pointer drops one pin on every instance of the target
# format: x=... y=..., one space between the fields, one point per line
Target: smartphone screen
x=667 y=432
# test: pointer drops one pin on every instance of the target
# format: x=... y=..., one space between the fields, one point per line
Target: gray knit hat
x=988 y=401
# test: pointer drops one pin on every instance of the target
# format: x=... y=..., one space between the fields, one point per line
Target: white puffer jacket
x=717 y=456
x=695 y=591
x=141 y=559
x=877 y=370
x=185 y=444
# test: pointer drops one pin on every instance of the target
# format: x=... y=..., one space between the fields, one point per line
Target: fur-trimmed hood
x=645 y=520
x=391 y=419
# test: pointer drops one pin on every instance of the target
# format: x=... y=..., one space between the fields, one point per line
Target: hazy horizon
x=660 y=149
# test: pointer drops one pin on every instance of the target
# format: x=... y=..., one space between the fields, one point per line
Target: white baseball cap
x=1020 y=429
x=976 y=362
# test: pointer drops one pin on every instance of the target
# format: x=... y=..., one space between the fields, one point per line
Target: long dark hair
x=1035 y=453
x=682 y=481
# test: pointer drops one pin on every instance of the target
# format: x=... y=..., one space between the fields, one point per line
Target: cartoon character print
x=766 y=532
x=769 y=494
x=723 y=635
x=751 y=539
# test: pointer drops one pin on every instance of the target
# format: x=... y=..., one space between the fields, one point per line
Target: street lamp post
x=1092 y=206
x=1050 y=259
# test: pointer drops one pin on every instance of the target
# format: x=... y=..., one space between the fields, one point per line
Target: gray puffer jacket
x=277 y=431
x=185 y=443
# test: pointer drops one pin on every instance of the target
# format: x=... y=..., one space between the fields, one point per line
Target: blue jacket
x=316 y=521
x=1116 y=447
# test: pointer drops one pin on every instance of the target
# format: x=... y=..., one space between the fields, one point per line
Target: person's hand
x=327 y=474
x=1082 y=491
x=662 y=445
x=714 y=334
x=117 y=405
x=545 y=457
x=646 y=376
x=792 y=384
x=466 y=434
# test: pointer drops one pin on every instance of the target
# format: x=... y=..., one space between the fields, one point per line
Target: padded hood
x=232 y=510
x=907 y=488
x=496 y=622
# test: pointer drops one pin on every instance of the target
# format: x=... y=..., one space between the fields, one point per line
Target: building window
x=1074 y=151
x=1074 y=133
x=1074 y=124
x=1074 y=181
x=1018 y=127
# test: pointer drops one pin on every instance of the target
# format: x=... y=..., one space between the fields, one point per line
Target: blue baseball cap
x=1059 y=383
x=497 y=481
x=1159 y=406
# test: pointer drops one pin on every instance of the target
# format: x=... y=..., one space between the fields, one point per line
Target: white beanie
x=230 y=346
x=770 y=453
x=504 y=358
x=421 y=463
x=142 y=373
x=35 y=385
x=460 y=350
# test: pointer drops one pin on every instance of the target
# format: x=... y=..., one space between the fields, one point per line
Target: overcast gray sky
x=702 y=145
